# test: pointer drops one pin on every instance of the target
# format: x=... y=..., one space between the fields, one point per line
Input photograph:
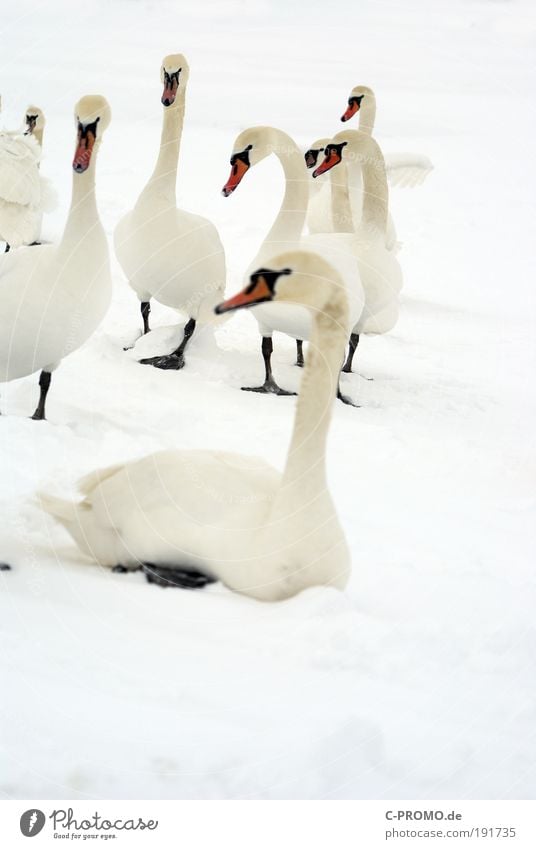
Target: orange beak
x=255 y=293
x=351 y=110
x=331 y=159
x=84 y=149
x=237 y=172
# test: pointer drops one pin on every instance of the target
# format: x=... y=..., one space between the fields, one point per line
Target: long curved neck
x=367 y=113
x=289 y=223
x=38 y=135
x=164 y=177
x=341 y=206
x=304 y=477
x=367 y=153
x=83 y=218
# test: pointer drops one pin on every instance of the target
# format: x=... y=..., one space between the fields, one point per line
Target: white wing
x=407 y=170
x=19 y=171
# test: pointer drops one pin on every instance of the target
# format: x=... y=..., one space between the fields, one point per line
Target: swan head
x=333 y=153
x=295 y=277
x=92 y=116
x=34 y=120
x=250 y=148
x=354 y=101
x=173 y=73
x=311 y=155
x=261 y=288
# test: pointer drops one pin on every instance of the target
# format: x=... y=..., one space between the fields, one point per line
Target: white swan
x=403 y=170
x=228 y=516
x=379 y=269
x=250 y=147
x=52 y=297
x=24 y=193
x=166 y=253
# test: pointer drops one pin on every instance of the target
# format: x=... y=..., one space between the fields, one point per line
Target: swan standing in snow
x=251 y=147
x=24 y=193
x=52 y=297
x=379 y=269
x=166 y=253
x=228 y=516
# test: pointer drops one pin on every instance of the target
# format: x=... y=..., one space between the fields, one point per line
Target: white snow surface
x=418 y=681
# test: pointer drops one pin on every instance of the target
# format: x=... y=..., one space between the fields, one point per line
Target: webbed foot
x=167 y=361
x=269 y=387
x=169 y=576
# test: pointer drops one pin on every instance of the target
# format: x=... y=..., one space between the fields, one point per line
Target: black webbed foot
x=269 y=387
x=345 y=399
x=5 y=567
x=169 y=576
x=167 y=361
x=119 y=568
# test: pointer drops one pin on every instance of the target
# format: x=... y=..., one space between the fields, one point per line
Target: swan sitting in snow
x=197 y=516
x=52 y=297
x=24 y=193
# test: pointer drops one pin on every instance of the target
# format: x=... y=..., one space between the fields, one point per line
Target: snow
x=418 y=682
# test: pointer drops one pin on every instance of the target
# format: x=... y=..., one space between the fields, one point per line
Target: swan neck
x=164 y=177
x=305 y=470
x=341 y=207
x=290 y=220
x=83 y=216
x=375 y=190
x=367 y=114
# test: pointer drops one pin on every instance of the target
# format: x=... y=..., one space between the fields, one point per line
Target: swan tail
x=62 y=510
x=93 y=539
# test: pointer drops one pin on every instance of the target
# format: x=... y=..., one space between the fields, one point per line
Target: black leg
x=44 y=385
x=299 y=353
x=145 y=310
x=7 y=248
x=34 y=243
x=175 y=360
x=354 y=342
x=269 y=386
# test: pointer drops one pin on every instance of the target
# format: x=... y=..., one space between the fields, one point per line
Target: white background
x=417 y=682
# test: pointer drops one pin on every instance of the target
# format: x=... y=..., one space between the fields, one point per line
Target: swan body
x=167 y=253
x=53 y=297
x=24 y=193
x=265 y=534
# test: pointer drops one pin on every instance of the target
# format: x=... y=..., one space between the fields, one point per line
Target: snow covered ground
x=419 y=680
